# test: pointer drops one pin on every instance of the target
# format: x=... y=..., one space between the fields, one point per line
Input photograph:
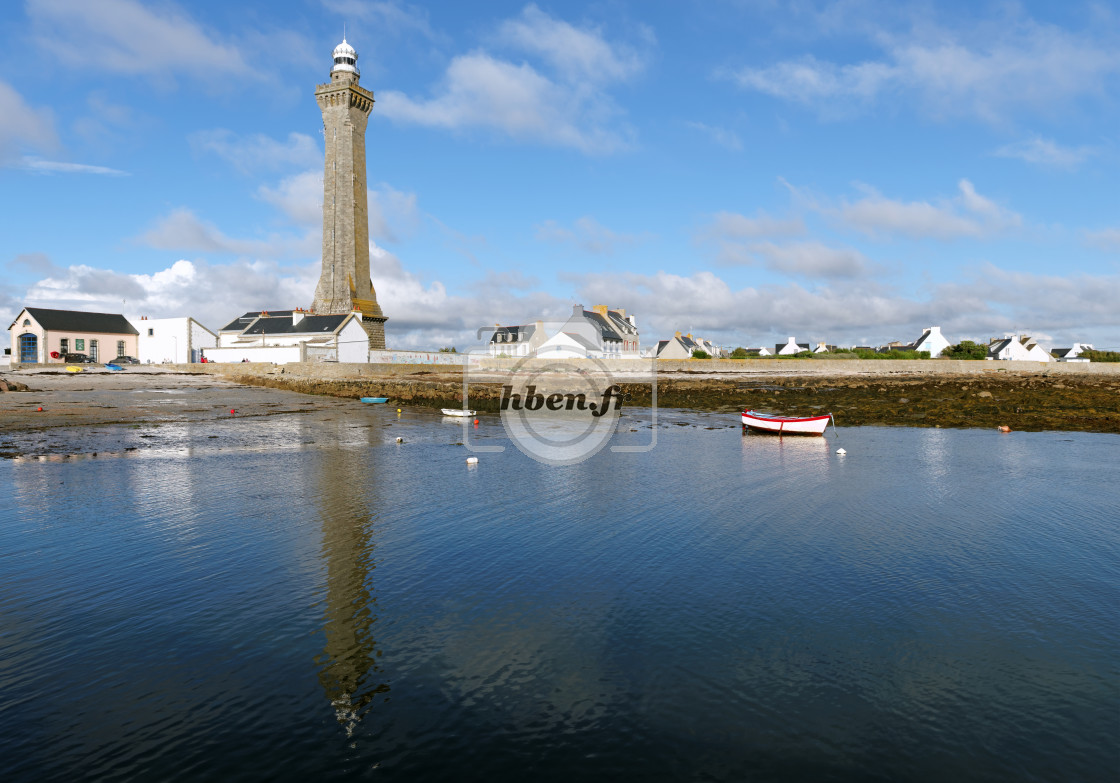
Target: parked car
x=125 y=360
x=77 y=358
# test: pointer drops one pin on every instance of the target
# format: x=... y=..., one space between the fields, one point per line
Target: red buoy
x=40 y=410
x=232 y=411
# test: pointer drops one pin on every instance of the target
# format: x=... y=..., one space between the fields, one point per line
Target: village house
x=597 y=333
x=1072 y=354
x=1018 y=348
x=933 y=341
x=283 y=336
x=41 y=336
x=679 y=346
x=791 y=347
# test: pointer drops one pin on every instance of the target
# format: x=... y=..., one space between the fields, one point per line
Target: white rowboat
x=457 y=412
x=786 y=425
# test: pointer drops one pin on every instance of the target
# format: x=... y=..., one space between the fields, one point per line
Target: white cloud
x=127 y=37
x=568 y=107
x=989 y=72
x=721 y=136
x=390 y=17
x=1044 y=152
x=40 y=166
x=813 y=260
x=588 y=234
x=257 y=152
x=579 y=55
x=1105 y=239
x=21 y=126
x=182 y=230
x=966 y=215
x=299 y=196
x=212 y=293
x=730 y=225
x=992 y=302
x=393 y=213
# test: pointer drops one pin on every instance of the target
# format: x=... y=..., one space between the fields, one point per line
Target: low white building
x=1020 y=348
x=284 y=336
x=172 y=340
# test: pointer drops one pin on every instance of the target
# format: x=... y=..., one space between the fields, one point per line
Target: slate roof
x=239 y=323
x=1061 y=353
x=512 y=334
x=76 y=321
x=604 y=325
x=311 y=324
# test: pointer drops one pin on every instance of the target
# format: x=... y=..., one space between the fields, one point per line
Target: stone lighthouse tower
x=344 y=283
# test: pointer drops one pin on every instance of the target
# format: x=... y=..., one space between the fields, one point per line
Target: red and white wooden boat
x=786 y=425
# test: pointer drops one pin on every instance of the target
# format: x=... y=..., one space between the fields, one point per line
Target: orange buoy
x=1004 y=428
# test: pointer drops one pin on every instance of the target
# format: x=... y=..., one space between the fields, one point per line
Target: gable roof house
x=1018 y=348
x=791 y=347
x=40 y=335
x=597 y=333
x=679 y=346
x=282 y=336
x=933 y=341
x=1071 y=354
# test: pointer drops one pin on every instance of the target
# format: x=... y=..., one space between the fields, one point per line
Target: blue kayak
x=375 y=399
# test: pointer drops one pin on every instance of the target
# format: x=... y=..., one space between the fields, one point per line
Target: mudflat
x=98 y=410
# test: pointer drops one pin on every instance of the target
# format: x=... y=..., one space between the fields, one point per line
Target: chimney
x=577 y=311
x=621 y=313
x=678 y=334
x=297 y=316
x=600 y=309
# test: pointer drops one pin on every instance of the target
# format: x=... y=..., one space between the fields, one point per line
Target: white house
x=597 y=333
x=283 y=336
x=1018 y=348
x=933 y=341
x=679 y=346
x=172 y=340
x=1072 y=354
x=791 y=347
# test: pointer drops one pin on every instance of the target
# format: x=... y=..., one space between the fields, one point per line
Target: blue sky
x=846 y=172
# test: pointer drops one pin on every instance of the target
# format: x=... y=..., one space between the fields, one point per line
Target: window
x=120 y=347
x=151 y=333
x=64 y=345
x=79 y=344
x=26 y=322
x=93 y=349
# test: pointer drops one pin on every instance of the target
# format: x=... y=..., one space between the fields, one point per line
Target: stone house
x=283 y=336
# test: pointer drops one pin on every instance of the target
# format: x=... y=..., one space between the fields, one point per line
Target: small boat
x=113 y=367
x=375 y=399
x=457 y=412
x=786 y=425
x=74 y=369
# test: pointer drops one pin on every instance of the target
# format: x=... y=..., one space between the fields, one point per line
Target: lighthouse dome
x=345 y=58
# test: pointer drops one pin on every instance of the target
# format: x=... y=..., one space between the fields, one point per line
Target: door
x=28 y=348
x=93 y=350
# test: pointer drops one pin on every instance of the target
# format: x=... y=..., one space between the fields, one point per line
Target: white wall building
x=933 y=341
x=287 y=336
x=172 y=340
x=1018 y=348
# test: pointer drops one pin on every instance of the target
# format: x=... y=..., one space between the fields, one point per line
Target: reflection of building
x=347 y=666
x=283 y=336
x=40 y=335
x=344 y=282
x=178 y=340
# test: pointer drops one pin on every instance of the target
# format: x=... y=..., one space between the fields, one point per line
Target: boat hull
x=457 y=412
x=785 y=425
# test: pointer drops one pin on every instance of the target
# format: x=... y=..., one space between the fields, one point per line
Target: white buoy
x=472 y=460
x=841 y=451
x=400 y=440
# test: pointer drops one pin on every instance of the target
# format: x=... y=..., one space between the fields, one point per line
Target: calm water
x=306 y=599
